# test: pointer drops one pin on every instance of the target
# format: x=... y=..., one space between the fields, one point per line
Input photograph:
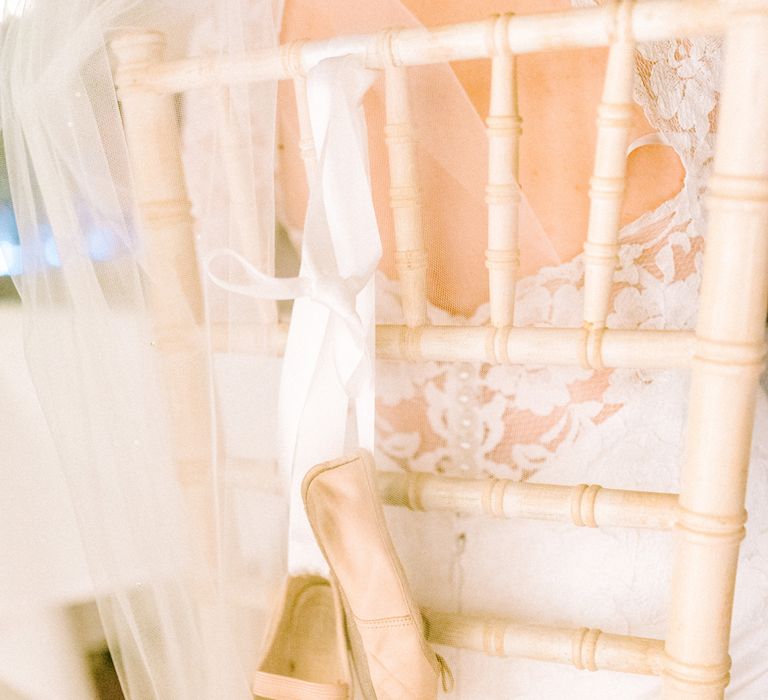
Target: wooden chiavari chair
x=724 y=355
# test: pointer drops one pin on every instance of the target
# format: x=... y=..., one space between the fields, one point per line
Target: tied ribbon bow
x=338 y=295
x=326 y=404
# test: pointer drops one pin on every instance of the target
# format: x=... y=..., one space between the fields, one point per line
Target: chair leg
x=167 y=239
x=727 y=363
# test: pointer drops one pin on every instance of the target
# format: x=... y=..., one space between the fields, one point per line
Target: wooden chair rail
x=654 y=20
x=594 y=348
x=585 y=648
x=582 y=505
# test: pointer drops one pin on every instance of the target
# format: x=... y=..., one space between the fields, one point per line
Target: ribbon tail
x=319 y=425
x=327 y=363
x=365 y=400
x=261 y=285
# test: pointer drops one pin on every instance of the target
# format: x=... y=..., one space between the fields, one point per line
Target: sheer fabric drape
x=183 y=530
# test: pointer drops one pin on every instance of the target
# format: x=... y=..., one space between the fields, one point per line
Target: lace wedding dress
x=618 y=428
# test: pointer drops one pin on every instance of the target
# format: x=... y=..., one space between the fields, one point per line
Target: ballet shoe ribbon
x=326 y=404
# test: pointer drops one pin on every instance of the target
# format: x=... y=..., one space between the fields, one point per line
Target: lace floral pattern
x=513 y=421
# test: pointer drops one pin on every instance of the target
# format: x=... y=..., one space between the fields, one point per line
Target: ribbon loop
x=337 y=294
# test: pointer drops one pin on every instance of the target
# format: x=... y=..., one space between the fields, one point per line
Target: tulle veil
x=181 y=517
x=158 y=385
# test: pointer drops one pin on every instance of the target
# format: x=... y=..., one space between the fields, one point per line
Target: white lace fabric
x=513 y=421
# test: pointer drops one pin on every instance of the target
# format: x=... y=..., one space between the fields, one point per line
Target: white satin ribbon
x=326 y=404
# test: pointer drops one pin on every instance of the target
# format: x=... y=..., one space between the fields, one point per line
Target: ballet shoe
x=390 y=654
x=305 y=652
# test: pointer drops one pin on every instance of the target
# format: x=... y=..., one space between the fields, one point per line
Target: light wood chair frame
x=725 y=355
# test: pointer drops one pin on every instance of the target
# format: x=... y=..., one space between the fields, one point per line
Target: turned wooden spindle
x=727 y=363
x=580 y=505
x=246 y=232
x=502 y=258
x=166 y=231
x=306 y=140
x=606 y=186
x=534 y=346
x=405 y=197
x=292 y=61
x=151 y=130
x=246 y=229
x=584 y=648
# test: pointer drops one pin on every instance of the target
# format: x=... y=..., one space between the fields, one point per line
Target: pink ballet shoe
x=391 y=656
x=306 y=656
